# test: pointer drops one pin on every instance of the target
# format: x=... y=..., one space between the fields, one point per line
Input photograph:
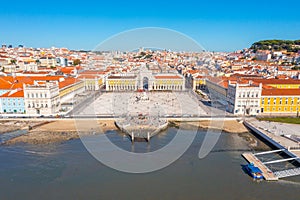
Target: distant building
x=263 y=55
x=199 y=82
x=121 y=83
x=47 y=62
x=12 y=102
x=217 y=89
x=144 y=79
x=42 y=98
x=63 y=62
x=244 y=98
x=280 y=101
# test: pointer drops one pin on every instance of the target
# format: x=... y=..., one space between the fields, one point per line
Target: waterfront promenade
x=275 y=131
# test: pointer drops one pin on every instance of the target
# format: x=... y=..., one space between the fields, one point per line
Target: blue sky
x=216 y=25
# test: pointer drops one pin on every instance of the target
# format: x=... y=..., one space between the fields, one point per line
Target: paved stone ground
x=159 y=104
x=274 y=130
x=281 y=128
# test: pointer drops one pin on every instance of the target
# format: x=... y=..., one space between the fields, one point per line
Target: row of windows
x=280 y=100
x=37 y=95
x=248 y=111
x=13 y=104
x=252 y=102
x=284 y=109
x=248 y=94
x=13 y=110
x=37 y=105
x=11 y=99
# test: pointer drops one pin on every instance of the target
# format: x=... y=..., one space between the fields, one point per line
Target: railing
x=287 y=173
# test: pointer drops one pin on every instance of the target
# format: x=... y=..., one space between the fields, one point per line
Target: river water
x=68 y=171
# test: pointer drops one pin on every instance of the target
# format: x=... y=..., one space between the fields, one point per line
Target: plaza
x=160 y=104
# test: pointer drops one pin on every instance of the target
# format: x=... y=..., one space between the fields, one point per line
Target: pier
x=141 y=126
x=281 y=144
x=267 y=173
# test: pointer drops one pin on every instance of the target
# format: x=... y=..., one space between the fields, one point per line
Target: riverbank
x=63 y=130
x=229 y=126
x=13 y=125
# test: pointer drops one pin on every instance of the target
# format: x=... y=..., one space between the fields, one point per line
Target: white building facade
x=244 y=98
x=42 y=98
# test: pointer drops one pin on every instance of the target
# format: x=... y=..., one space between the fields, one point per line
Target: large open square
x=150 y=103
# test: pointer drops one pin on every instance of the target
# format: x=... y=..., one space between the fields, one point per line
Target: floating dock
x=267 y=173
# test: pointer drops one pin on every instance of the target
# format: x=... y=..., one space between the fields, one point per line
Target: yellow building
x=280 y=101
x=199 y=82
x=70 y=87
x=121 y=83
x=168 y=82
x=93 y=80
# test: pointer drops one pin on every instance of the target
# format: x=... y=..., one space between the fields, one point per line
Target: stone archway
x=145 y=83
x=145 y=78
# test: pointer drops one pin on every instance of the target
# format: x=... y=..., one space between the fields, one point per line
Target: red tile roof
x=280 y=92
x=68 y=82
x=13 y=94
x=167 y=77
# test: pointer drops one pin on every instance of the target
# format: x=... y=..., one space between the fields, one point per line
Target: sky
x=216 y=25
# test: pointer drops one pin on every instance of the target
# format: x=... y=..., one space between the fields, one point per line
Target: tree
x=76 y=62
x=13 y=61
x=38 y=62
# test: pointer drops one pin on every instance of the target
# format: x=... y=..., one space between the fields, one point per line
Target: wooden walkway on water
x=267 y=173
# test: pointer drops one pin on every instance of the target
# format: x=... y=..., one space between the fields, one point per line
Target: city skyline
x=218 y=26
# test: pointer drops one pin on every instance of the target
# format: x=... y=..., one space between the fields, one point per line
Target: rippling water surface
x=68 y=171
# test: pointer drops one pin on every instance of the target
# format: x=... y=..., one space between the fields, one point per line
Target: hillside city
x=51 y=81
